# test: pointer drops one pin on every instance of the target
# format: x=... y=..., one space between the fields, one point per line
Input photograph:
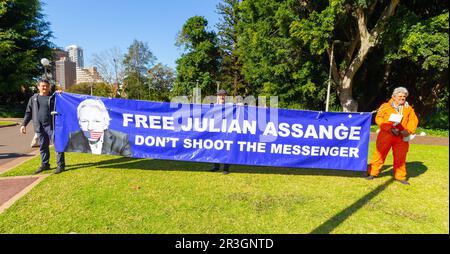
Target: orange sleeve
x=413 y=121
x=381 y=119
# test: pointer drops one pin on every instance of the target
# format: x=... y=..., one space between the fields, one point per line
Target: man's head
x=399 y=95
x=43 y=86
x=221 y=94
x=93 y=118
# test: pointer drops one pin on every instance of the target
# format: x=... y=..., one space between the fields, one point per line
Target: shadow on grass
x=414 y=169
x=13 y=155
x=100 y=164
x=328 y=226
x=169 y=165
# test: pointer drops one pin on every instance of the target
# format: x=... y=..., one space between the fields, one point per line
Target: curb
x=9 y=125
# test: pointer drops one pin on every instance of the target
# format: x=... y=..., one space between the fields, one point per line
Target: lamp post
x=329 y=74
x=45 y=62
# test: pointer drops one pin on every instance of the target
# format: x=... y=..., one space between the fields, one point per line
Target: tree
x=161 y=80
x=200 y=65
x=24 y=40
x=137 y=61
x=98 y=89
x=416 y=47
x=230 y=67
x=110 y=65
x=273 y=62
x=361 y=23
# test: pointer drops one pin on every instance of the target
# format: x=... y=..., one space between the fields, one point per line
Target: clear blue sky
x=99 y=25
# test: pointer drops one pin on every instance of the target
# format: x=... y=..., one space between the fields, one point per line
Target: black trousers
x=226 y=167
x=45 y=136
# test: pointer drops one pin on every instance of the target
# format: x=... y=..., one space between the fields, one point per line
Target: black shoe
x=370 y=177
x=41 y=168
x=226 y=172
x=58 y=170
x=404 y=182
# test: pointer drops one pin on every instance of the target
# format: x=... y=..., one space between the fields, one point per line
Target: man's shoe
x=226 y=172
x=41 y=168
x=404 y=182
x=370 y=177
x=58 y=170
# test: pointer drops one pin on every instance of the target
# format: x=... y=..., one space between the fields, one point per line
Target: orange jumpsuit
x=386 y=139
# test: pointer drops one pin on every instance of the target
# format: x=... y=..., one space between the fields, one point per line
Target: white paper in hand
x=409 y=138
x=395 y=118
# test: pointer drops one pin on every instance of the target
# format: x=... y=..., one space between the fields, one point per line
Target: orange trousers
x=385 y=141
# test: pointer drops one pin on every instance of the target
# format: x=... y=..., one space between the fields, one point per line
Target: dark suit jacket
x=114 y=143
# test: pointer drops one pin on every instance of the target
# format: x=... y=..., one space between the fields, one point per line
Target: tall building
x=65 y=73
x=63 y=70
x=76 y=55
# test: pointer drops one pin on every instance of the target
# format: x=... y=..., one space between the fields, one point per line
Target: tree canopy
x=199 y=65
x=24 y=40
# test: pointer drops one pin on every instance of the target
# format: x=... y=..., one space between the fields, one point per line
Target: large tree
x=161 y=81
x=274 y=62
x=199 y=65
x=230 y=67
x=24 y=40
x=138 y=60
x=359 y=23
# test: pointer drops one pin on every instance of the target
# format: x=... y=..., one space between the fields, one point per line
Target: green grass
x=108 y=194
x=429 y=132
x=5 y=123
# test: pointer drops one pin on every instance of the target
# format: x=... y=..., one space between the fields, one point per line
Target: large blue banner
x=214 y=133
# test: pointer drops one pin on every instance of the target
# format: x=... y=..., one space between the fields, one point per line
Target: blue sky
x=99 y=25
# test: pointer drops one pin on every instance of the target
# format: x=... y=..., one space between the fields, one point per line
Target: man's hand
x=395 y=131
x=23 y=129
x=405 y=133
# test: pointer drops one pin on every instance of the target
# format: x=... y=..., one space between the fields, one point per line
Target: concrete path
x=15 y=146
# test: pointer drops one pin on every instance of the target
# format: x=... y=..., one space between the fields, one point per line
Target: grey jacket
x=31 y=112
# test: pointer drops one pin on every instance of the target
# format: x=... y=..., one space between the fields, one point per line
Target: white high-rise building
x=76 y=55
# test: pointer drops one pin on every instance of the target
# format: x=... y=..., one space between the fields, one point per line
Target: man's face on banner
x=92 y=122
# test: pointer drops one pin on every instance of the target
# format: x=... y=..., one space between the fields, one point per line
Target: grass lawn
x=108 y=194
x=4 y=123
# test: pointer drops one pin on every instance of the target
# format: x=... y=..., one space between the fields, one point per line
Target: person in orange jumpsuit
x=397 y=121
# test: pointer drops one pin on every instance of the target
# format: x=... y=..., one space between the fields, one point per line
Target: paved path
x=422 y=140
x=15 y=146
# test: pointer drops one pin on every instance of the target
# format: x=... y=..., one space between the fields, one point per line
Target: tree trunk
x=367 y=41
x=348 y=103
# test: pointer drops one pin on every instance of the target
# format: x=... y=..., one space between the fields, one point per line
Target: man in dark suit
x=94 y=136
x=221 y=94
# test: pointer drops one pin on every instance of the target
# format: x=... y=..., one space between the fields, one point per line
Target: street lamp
x=45 y=62
x=331 y=66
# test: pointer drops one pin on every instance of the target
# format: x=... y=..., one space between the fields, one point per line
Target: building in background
x=76 y=55
x=68 y=75
x=88 y=75
x=63 y=70
x=59 y=53
x=65 y=73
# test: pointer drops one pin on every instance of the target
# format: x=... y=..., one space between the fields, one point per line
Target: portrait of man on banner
x=94 y=135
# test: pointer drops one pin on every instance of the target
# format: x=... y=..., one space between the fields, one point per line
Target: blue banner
x=214 y=133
